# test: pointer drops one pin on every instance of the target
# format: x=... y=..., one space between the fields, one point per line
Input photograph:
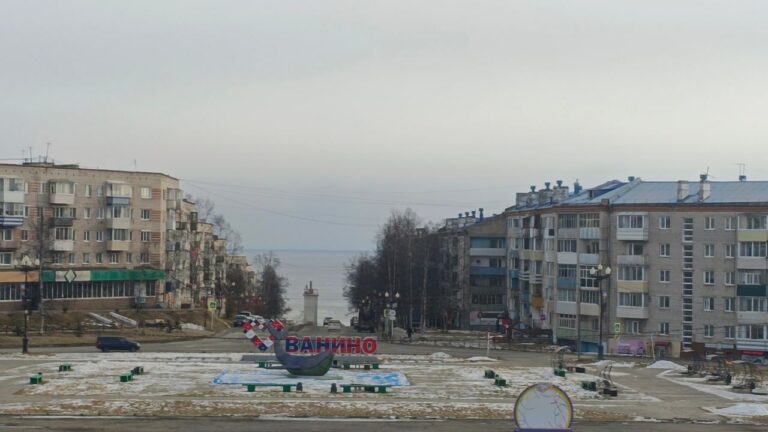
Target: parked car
x=326 y=320
x=240 y=320
x=334 y=325
x=116 y=343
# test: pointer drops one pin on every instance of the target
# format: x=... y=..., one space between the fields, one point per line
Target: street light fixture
x=600 y=273
x=26 y=265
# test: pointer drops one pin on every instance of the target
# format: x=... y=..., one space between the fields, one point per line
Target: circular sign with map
x=543 y=406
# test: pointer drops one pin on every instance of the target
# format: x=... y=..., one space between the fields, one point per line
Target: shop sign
x=340 y=345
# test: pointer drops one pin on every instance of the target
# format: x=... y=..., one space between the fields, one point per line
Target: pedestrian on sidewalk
x=410 y=333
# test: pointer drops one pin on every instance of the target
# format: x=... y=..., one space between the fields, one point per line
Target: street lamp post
x=26 y=265
x=391 y=305
x=600 y=273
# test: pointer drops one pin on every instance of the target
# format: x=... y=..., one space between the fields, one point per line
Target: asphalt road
x=353 y=425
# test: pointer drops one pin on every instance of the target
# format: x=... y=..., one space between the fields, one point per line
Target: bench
x=366 y=366
x=251 y=387
x=368 y=388
x=36 y=379
x=66 y=367
x=490 y=374
x=499 y=381
x=138 y=370
x=126 y=377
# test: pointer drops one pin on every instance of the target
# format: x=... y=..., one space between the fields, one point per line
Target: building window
x=709 y=304
x=99 y=258
x=99 y=236
x=585 y=279
x=709 y=277
x=86 y=258
x=633 y=327
x=664 y=276
x=709 y=223
x=100 y=213
x=730 y=332
x=730 y=223
x=664 y=222
x=589 y=220
x=144 y=258
x=752 y=249
x=752 y=304
x=634 y=248
x=751 y=277
x=664 y=328
x=566 y=321
x=144 y=214
x=592 y=246
x=86 y=236
x=709 y=330
x=753 y=331
x=7 y=234
x=663 y=302
x=6 y=258
x=566 y=245
x=145 y=236
x=632 y=299
x=730 y=278
x=730 y=250
x=64 y=234
x=566 y=221
x=631 y=221
x=756 y=222
x=128 y=257
x=709 y=250
x=24 y=235
x=664 y=249
x=88 y=190
x=631 y=273
x=114 y=257
x=146 y=192
x=87 y=213
x=71 y=259
x=729 y=304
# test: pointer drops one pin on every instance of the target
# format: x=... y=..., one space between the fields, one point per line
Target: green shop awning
x=105 y=275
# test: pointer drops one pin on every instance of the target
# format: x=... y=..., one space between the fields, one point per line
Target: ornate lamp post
x=391 y=305
x=600 y=273
x=26 y=265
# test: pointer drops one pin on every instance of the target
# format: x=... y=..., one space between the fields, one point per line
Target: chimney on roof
x=533 y=188
x=704 y=189
x=559 y=183
x=459 y=215
x=466 y=214
x=546 y=185
x=742 y=178
x=481 y=214
x=631 y=178
x=682 y=190
x=473 y=213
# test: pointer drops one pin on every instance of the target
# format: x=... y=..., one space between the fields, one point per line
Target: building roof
x=665 y=192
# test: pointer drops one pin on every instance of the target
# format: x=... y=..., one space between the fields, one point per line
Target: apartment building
x=108 y=239
x=688 y=261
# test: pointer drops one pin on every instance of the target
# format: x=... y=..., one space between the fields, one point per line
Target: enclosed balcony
x=11 y=190
x=631 y=312
x=631 y=259
x=589 y=259
x=589 y=233
x=567 y=257
x=632 y=286
x=61 y=192
x=119 y=223
x=63 y=245
x=118 y=245
x=488 y=252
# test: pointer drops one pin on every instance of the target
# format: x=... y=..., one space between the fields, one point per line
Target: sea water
x=326 y=270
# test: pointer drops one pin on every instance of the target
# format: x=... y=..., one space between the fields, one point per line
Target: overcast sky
x=307 y=121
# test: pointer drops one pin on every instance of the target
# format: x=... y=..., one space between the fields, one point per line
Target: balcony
x=568 y=233
x=751 y=263
x=566 y=283
x=632 y=234
x=118 y=201
x=119 y=223
x=566 y=307
x=752 y=344
x=751 y=290
x=535 y=255
x=589 y=259
x=63 y=245
x=487 y=271
x=118 y=245
x=62 y=222
x=752 y=317
x=567 y=257
x=631 y=259
x=535 y=278
x=11 y=221
x=11 y=196
x=590 y=309
x=514 y=273
x=9 y=244
x=62 y=198
x=743 y=235
x=589 y=233
x=632 y=286
x=550 y=256
x=497 y=252
x=631 y=312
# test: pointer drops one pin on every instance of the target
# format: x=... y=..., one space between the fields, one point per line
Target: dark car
x=116 y=343
x=240 y=320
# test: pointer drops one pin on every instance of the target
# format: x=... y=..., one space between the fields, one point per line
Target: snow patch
x=440 y=355
x=602 y=363
x=191 y=326
x=741 y=410
x=480 y=359
x=665 y=364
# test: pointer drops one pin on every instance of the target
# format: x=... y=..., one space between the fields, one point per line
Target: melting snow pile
x=440 y=355
x=741 y=410
x=191 y=326
x=480 y=359
x=664 y=364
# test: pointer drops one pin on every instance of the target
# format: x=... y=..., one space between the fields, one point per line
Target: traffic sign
x=212 y=305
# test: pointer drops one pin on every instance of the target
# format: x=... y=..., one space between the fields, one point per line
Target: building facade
x=107 y=239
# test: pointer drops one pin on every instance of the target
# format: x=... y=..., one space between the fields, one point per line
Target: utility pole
x=41 y=241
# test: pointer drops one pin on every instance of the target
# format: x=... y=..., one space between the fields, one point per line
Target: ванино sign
x=340 y=345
